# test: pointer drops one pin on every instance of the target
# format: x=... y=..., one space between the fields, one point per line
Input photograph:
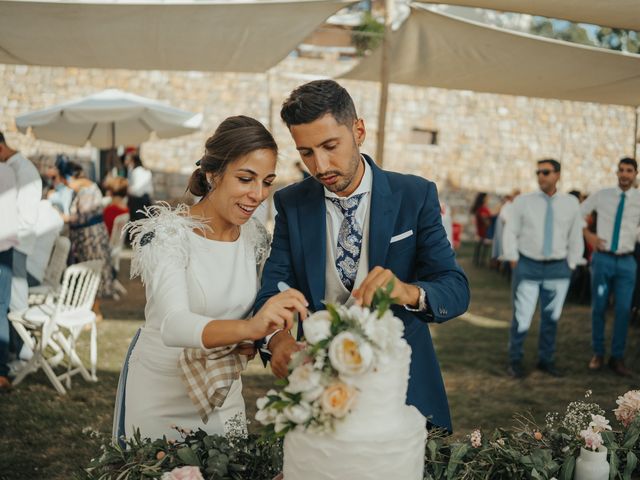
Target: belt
x=613 y=254
x=550 y=260
x=96 y=219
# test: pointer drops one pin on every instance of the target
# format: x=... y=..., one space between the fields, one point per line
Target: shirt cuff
x=267 y=339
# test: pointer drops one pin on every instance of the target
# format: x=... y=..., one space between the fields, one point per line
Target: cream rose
x=337 y=399
x=317 y=327
x=350 y=354
x=183 y=473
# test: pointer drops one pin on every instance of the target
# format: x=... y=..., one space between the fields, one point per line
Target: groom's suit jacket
x=399 y=204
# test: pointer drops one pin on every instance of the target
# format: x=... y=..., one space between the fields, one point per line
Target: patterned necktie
x=349 y=240
x=615 y=238
x=547 y=246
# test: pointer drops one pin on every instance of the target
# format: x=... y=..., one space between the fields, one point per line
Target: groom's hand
x=404 y=293
x=282 y=346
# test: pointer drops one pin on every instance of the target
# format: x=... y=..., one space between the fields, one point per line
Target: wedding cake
x=343 y=410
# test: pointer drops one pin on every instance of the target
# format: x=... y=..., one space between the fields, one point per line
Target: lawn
x=47 y=436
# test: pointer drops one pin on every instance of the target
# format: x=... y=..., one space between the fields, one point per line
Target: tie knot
x=347 y=205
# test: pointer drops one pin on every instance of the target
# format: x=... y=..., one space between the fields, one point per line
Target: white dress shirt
x=140 y=182
x=29 y=196
x=9 y=208
x=524 y=230
x=335 y=215
x=48 y=228
x=605 y=203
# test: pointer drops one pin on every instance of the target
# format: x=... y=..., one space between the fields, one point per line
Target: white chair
x=62 y=323
x=53 y=274
x=116 y=243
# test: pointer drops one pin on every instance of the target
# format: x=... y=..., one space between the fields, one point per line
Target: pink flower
x=183 y=473
x=592 y=439
x=628 y=407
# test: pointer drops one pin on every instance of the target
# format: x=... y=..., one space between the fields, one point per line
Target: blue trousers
x=617 y=275
x=6 y=261
x=548 y=281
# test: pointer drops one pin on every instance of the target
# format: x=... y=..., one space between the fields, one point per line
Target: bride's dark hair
x=235 y=137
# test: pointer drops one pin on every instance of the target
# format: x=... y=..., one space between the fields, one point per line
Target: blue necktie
x=547 y=246
x=615 y=238
x=349 y=240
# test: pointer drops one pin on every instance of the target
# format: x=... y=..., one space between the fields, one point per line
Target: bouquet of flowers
x=342 y=344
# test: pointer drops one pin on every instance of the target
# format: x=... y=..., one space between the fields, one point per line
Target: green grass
x=41 y=433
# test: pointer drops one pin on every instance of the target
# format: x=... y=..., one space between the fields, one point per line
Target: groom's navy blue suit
x=399 y=204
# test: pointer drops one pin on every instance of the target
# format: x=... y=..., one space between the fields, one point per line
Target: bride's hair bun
x=235 y=137
x=198 y=184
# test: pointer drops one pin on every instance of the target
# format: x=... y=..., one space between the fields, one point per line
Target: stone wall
x=484 y=141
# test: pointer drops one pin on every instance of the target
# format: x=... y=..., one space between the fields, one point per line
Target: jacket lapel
x=312 y=219
x=384 y=207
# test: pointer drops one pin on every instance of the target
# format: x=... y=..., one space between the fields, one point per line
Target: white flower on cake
x=317 y=327
x=337 y=399
x=303 y=378
x=299 y=413
x=350 y=354
x=386 y=332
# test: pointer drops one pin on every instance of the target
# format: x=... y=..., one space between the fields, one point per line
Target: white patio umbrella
x=108 y=119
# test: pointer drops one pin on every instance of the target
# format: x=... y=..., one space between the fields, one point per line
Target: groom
x=352 y=228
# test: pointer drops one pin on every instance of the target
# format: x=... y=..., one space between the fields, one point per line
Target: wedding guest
x=482 y=217
x=140 y=188
x=60 y=195
x=8 y=240
x=613 y=266
x=543 y=242
x=47 y=229
x=29 y=185
x=87 y=231
x=116 y=189
x=351 y=228
x=199 y=266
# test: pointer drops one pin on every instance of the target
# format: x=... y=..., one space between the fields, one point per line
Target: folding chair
x=116 y=243
x=62 y=323
x=53 y=274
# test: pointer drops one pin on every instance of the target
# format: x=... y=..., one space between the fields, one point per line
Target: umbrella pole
x=112 y=154
x=384 y=82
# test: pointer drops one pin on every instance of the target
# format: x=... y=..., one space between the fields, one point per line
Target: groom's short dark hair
x=313 y=100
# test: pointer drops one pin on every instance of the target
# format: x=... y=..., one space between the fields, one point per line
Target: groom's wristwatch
x=422 y=302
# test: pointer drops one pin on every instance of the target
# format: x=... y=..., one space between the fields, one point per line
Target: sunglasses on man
x=543 y=171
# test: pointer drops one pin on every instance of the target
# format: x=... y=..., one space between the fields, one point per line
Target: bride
x=199 y=266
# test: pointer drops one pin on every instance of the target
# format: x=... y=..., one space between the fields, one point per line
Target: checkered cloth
x=208 y=375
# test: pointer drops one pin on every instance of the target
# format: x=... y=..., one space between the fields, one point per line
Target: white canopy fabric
x=107 y=119
x=436 y=50
x=609 y=13
x=238 y=37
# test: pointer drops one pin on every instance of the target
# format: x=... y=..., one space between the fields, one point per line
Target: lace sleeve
x=160 y=237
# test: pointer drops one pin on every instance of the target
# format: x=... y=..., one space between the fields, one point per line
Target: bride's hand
x=277 y=313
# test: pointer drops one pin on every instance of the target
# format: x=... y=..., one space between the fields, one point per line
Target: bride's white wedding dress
x=189 y=281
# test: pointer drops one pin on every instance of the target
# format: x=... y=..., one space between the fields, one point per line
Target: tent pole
x=112 y=154
x=635 y=133
x=384 y=82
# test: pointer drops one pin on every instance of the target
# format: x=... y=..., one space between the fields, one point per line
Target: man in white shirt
x=543 y=242
x=613 y=266
x=8 y=240
x=29 y=186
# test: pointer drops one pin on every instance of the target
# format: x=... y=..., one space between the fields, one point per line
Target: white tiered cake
x=381 y=438
x=343 y=410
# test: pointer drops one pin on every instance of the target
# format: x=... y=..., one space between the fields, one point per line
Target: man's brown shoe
x=617 y=365
x=5 y=384
x=596 y=363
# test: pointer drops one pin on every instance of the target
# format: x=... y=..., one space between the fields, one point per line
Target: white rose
x=266 y=417
x=280 y=422
x=317 y=327
x=262 y=402
x=362 y=315
x=314 y=393
x=350 y=354
x=299 y=413
x=303 y=379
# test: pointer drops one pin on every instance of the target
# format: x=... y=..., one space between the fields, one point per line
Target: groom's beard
x=344 y=180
